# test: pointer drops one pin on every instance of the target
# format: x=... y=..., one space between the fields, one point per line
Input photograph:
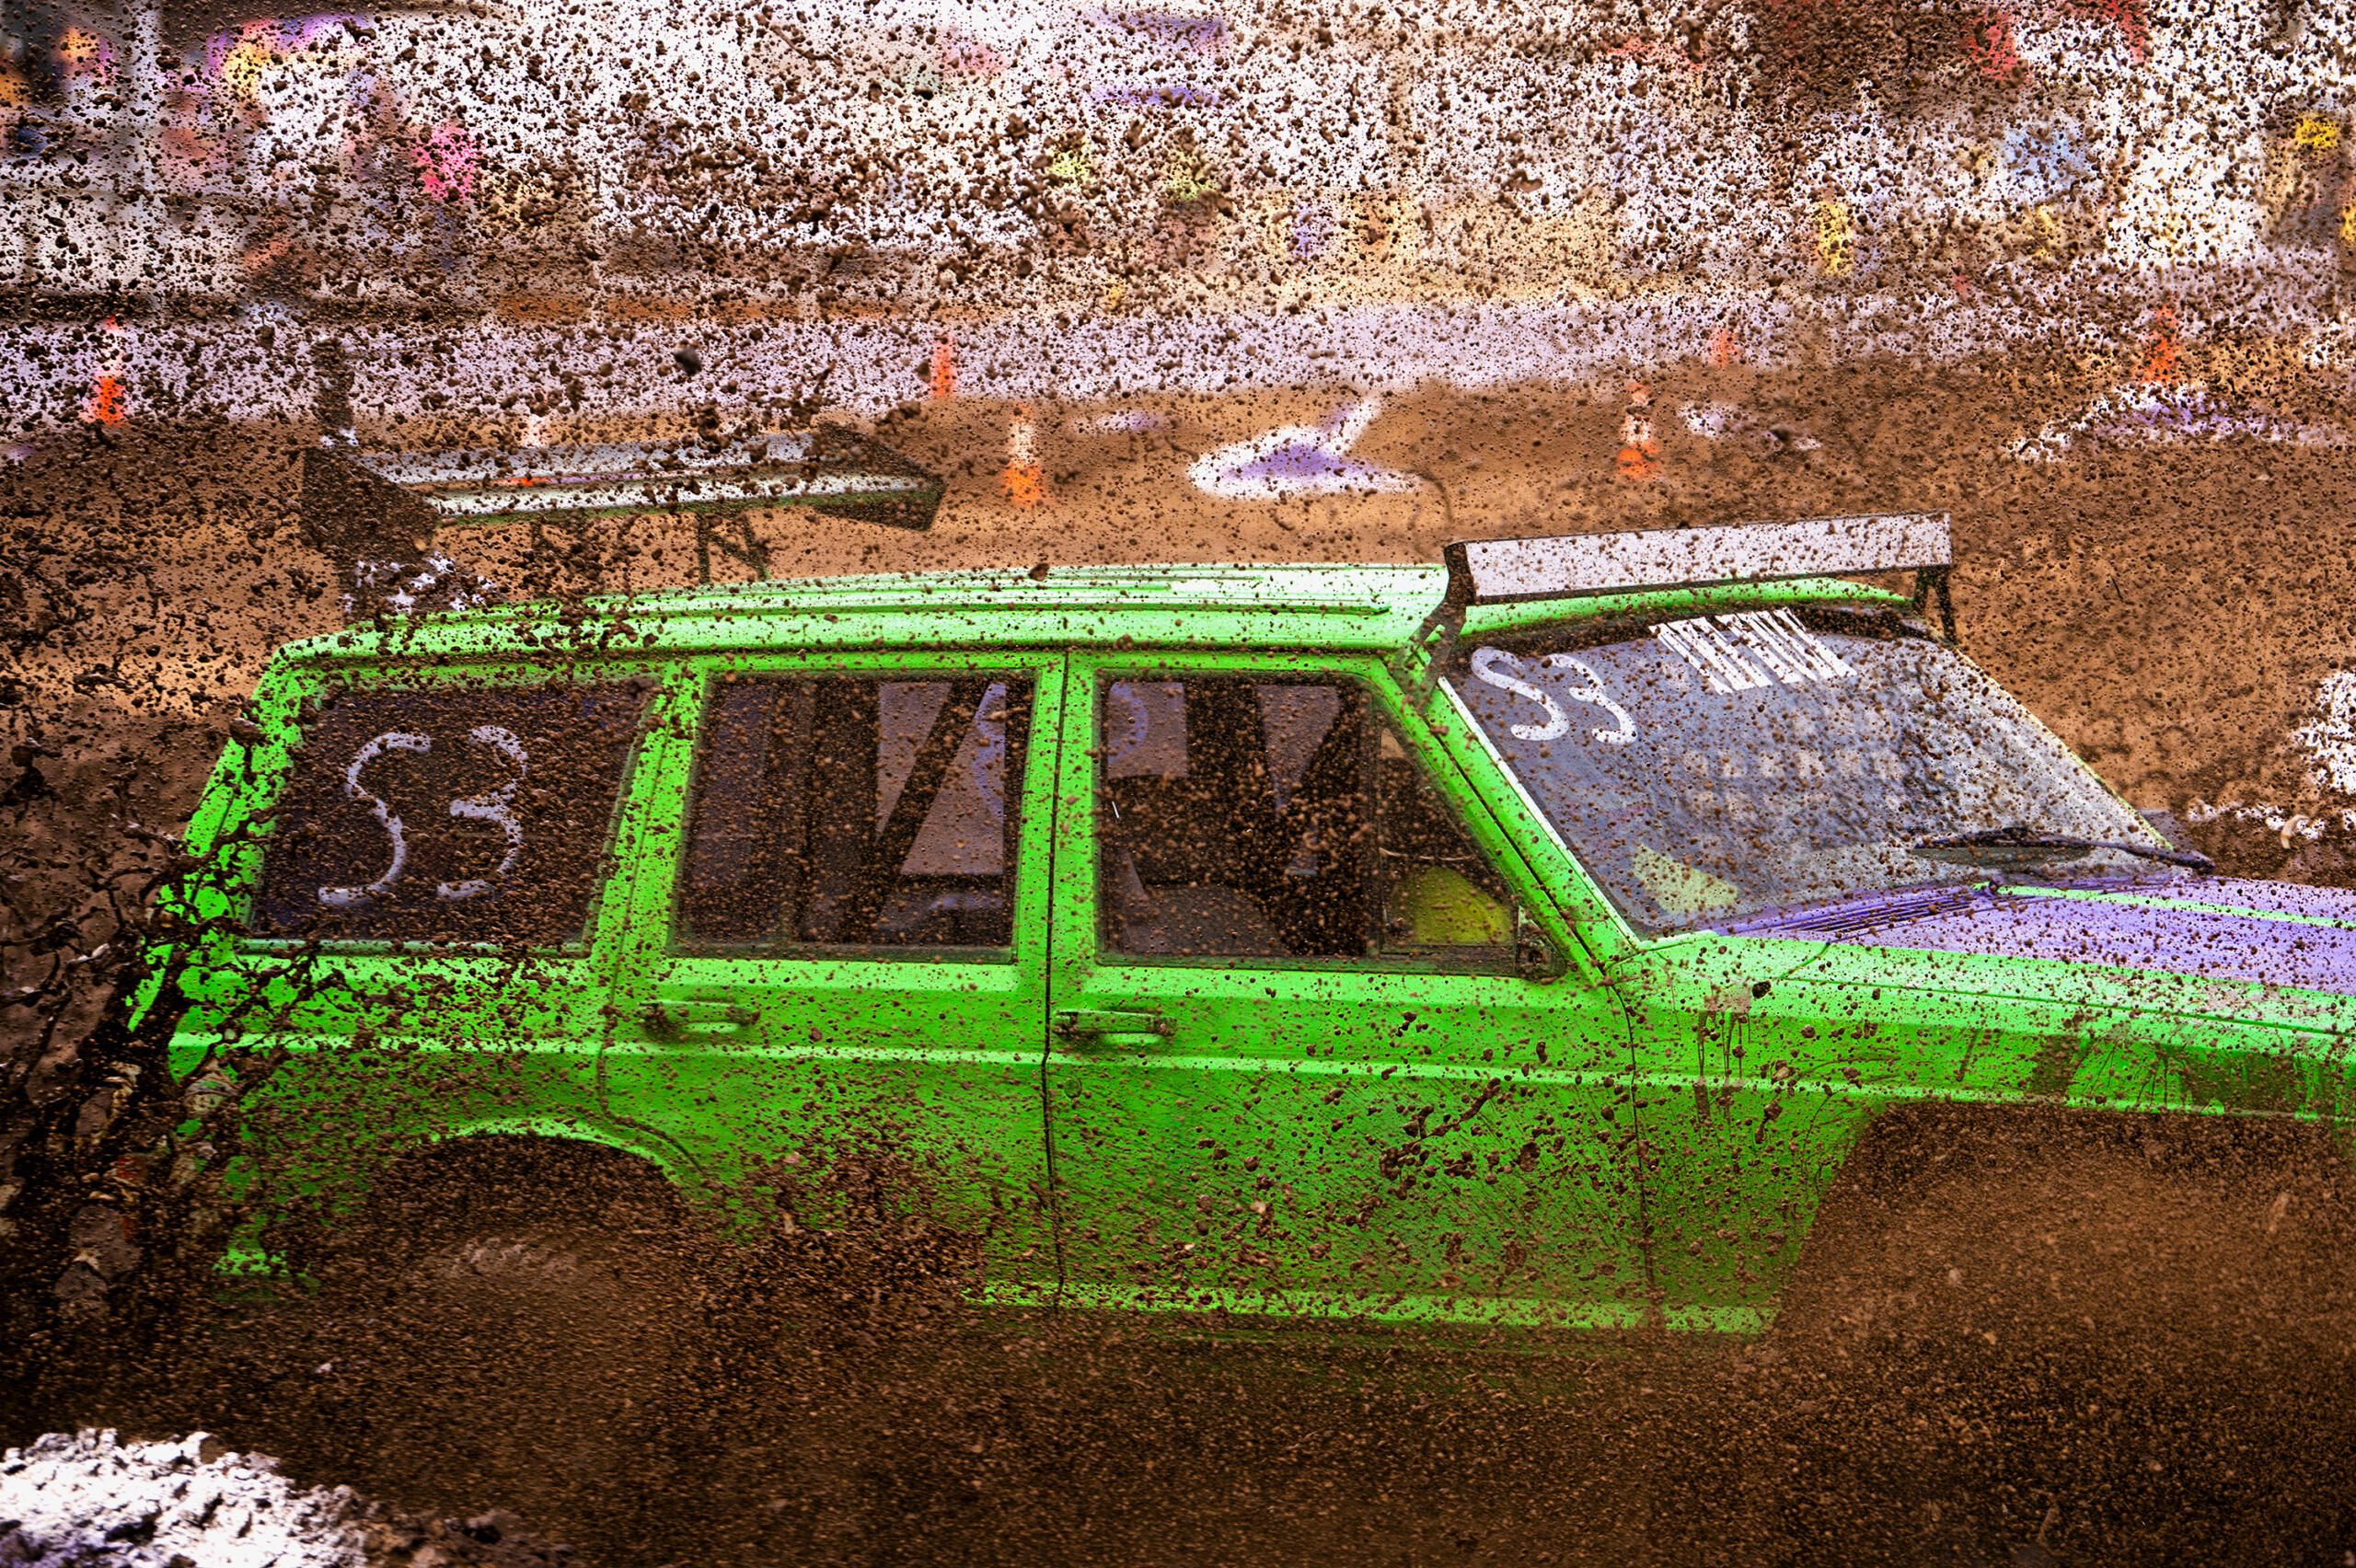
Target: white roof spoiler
x=1497 y=572
x=827 y=467
x=1571 y=566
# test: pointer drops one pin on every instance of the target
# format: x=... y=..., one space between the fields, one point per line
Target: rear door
x=840 y=991
x=1316 y=1044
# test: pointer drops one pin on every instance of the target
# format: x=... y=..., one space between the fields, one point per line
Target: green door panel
x=1742 y=1129
x=857 y=1082
x=1369 y=1135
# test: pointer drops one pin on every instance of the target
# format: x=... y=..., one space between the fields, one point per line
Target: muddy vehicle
x=1520 y=941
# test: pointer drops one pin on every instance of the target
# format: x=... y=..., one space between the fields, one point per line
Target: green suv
x=1525 y=941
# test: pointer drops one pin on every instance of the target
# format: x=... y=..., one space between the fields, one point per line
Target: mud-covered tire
x=2191 y=1238
x=1991 y=1295
x=510 y=1334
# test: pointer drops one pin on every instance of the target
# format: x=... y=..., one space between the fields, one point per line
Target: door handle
x=691 y=1018
x=1133 y=1031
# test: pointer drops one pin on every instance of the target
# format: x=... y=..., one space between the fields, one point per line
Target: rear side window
x=856 y=812
x=476 y=814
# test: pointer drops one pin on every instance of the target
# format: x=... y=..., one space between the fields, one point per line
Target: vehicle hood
x=2275 y=934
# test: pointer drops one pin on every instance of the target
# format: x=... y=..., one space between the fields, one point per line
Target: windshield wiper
x=2014 y=837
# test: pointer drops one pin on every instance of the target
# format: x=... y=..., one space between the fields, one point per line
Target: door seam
x=1047 y=984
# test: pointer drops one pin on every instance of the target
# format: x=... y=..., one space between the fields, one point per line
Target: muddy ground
x=2076 y=1340
x=2054 y=1340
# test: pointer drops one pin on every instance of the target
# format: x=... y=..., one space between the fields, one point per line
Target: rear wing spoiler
x=371 y=510
x=1575 y=566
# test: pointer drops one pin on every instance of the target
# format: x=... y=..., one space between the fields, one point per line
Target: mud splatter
x=1145 y=286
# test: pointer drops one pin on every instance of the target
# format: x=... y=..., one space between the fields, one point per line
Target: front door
x=1316 y=1043
x=842 y=995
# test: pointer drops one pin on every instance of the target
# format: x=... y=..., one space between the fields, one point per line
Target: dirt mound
x=2097 y=1338
x=494 y=1324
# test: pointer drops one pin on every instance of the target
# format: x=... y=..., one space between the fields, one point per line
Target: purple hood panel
x=2274 y=933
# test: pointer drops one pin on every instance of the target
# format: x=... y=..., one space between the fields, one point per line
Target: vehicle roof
x=1335 y=606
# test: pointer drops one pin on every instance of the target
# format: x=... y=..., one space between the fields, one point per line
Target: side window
x=856 y=812
x=464 y=815
x=1438 y=897
x=1250 y=819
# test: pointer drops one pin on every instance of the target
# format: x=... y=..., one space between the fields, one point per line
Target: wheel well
x=491 y=1178
x=1923 y=1140
x=2054 y=1219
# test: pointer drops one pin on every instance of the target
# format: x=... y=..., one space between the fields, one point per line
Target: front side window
x=460 y=814
x=1265 y=819
x=856 y=812
x=1707 y=768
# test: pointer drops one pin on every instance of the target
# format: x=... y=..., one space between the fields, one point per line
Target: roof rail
x=1495 y=571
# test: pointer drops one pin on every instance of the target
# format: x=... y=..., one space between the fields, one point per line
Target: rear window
x=473 y=815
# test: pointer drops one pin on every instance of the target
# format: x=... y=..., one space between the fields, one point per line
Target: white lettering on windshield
x=1796 y=649
x=1775 y=636
x=1700 y=645
x=1593 y=692
x=1487 y=663
x=1485 y=666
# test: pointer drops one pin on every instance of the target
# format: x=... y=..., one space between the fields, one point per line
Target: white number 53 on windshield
x=1499 y=669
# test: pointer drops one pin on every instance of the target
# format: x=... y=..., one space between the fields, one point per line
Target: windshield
x=1709 y=768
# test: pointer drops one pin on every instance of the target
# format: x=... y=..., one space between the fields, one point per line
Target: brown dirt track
x=2169 y=610
x=2103 y=1338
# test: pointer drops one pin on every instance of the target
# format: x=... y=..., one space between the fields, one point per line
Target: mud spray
x=1224 y=284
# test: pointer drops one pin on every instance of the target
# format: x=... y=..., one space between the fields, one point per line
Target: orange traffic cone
x=105 y=403
x=1025 y=476
x=2159 y=360
x=1639 y=451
